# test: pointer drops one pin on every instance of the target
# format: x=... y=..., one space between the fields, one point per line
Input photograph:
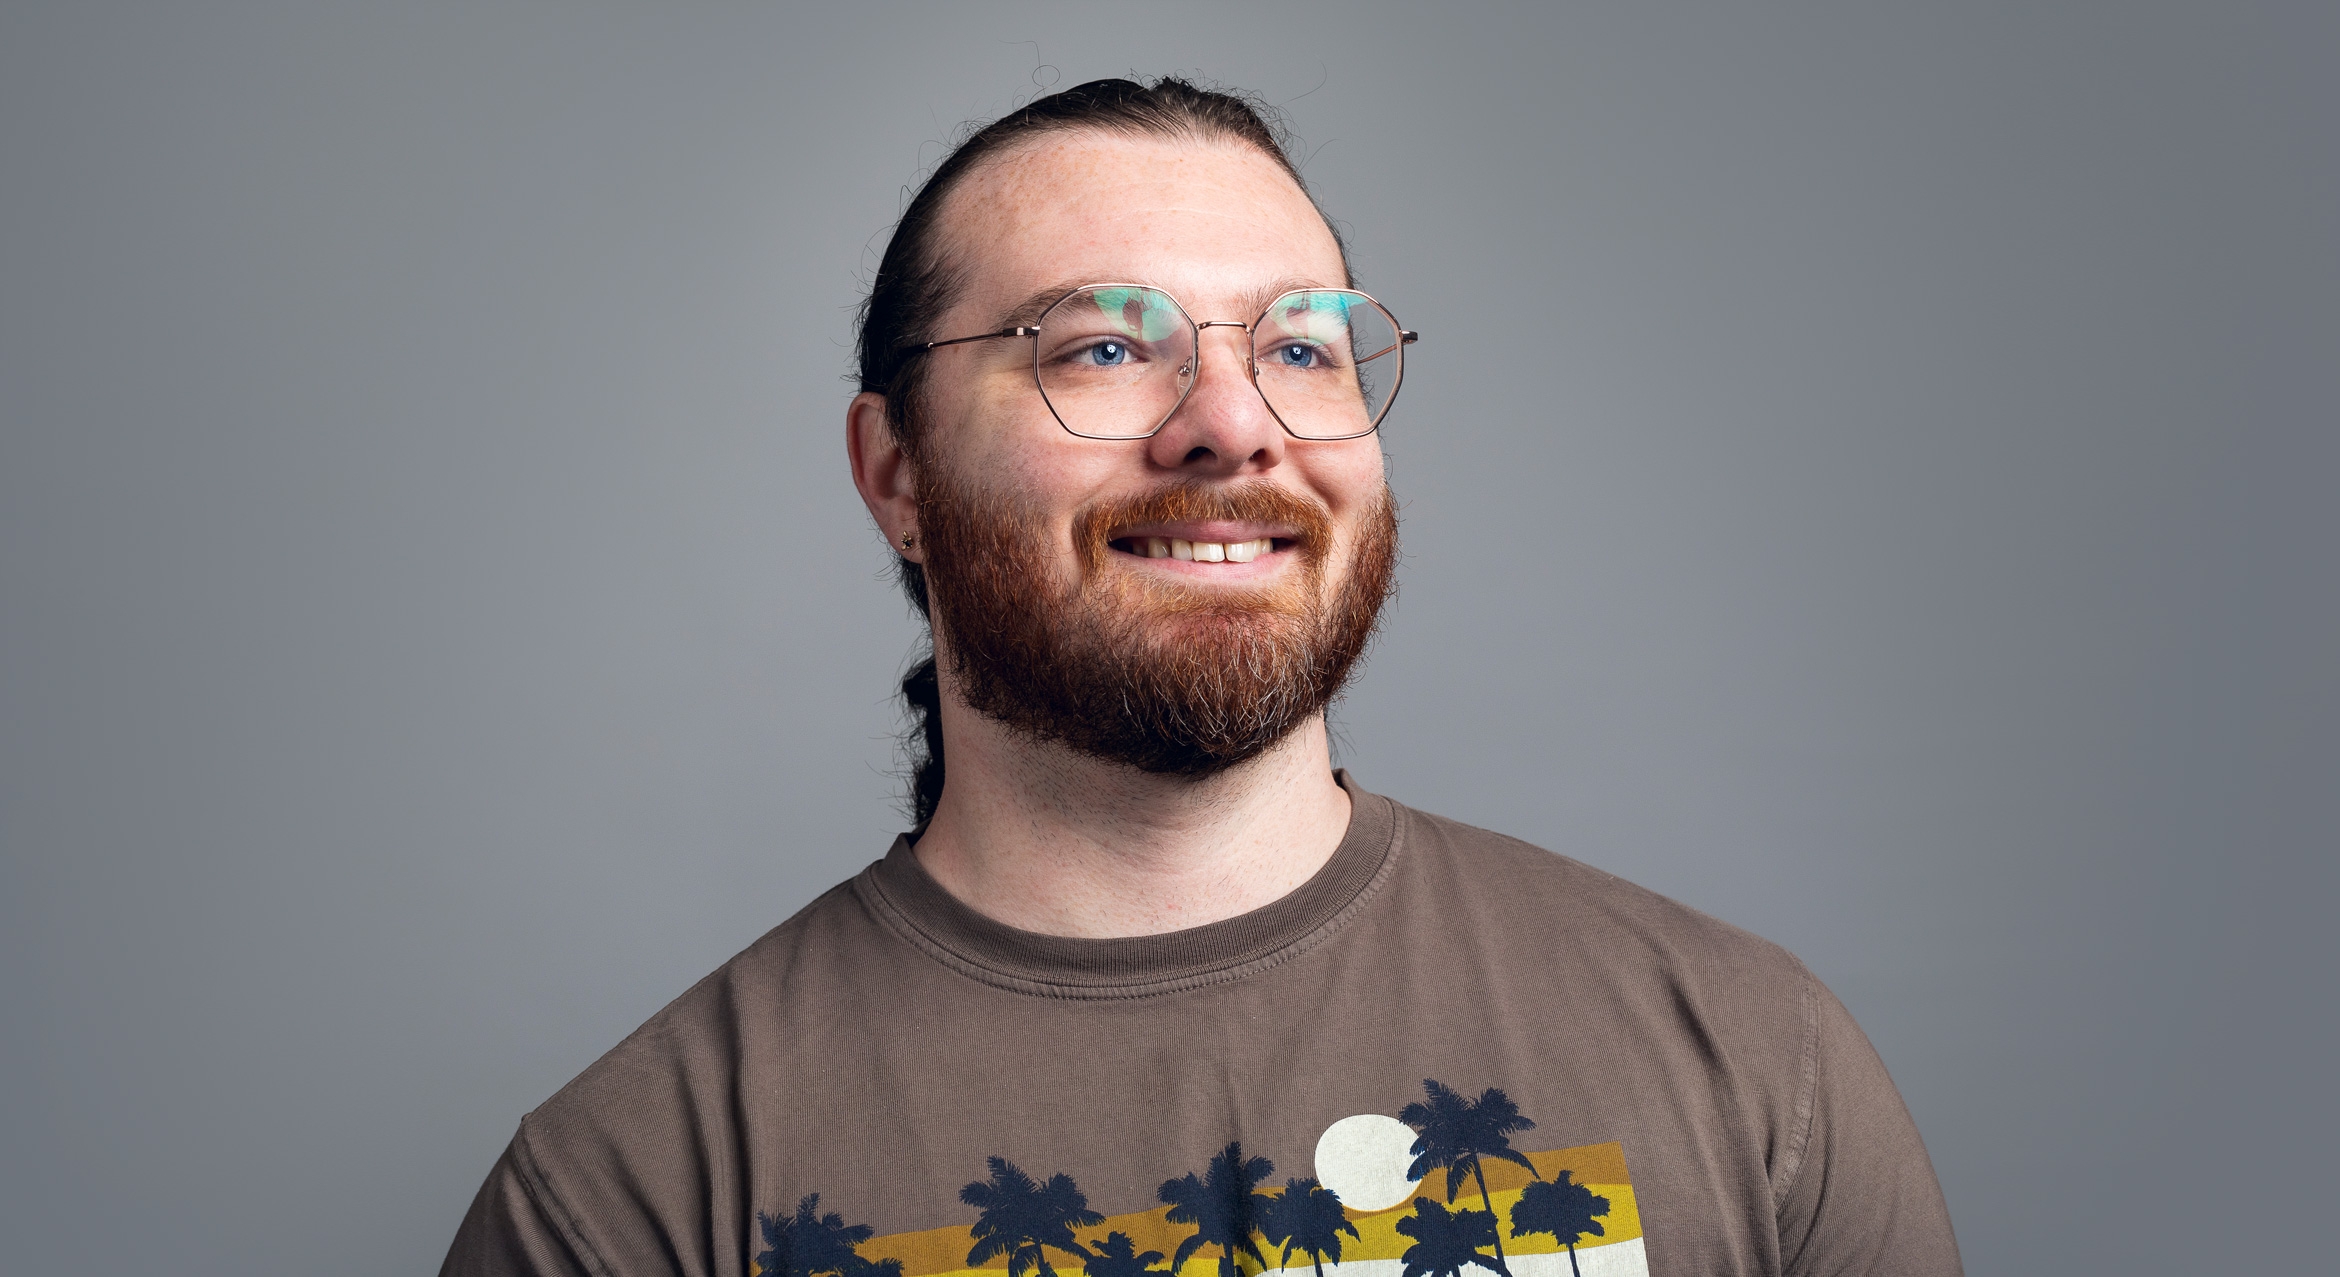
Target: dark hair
x=915 y=285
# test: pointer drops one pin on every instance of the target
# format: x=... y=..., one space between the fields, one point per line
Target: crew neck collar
x=902 y=895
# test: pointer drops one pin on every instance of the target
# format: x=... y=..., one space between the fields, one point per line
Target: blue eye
x=1297 y=356
x=1108 y=354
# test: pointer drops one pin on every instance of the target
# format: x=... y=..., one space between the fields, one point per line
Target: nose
x=1223 y=428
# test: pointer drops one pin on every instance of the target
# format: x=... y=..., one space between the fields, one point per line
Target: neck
x=1047 y=840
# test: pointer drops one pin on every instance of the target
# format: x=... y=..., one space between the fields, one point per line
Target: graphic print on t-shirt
x=1432 y=1192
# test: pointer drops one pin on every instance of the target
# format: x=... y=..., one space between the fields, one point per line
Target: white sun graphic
x=1364 y=1159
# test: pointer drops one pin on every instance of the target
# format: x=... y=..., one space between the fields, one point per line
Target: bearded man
x=1151 y=988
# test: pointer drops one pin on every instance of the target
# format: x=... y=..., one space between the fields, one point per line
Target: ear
x=882 y=473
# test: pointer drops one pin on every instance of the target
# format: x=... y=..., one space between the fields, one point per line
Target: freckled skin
x=1034 y=835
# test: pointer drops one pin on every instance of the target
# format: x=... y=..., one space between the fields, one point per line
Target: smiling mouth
x=1200 y=551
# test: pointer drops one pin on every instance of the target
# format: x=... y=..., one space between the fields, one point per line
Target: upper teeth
x=1204 y=551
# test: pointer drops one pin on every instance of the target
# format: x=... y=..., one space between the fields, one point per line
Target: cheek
x=1356 y=491
x=1046 y=477
x=1002 y=414
x=1349 y=482
x=998 y=441
x=1049 y=477
x=1019 y=451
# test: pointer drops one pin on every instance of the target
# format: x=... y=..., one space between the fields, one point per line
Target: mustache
x=1255 y=502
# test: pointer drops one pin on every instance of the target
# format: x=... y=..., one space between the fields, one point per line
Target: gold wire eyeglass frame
x=1406 y=337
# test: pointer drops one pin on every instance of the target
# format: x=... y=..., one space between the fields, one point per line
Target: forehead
x=1216 y=223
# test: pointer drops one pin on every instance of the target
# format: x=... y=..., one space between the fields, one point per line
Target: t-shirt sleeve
x=1863 y=1198
x=511 y=1230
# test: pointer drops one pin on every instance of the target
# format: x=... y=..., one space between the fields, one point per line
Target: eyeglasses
x=1115 y=360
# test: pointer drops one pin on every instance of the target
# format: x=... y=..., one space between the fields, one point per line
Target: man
x=1152 y=989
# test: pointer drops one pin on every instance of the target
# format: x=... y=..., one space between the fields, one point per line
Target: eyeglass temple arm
x=1021 y=331
x=1406 y=337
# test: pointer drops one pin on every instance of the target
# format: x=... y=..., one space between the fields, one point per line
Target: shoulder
x=1720 y=1012
x=1514 y=879
x=700 y=1032
x=653 y=1128
x=1618 y=946
x=1713 y=1018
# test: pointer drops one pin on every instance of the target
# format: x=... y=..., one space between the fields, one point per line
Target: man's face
x=1056 y=617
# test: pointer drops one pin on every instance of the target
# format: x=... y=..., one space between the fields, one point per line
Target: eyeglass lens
x=1114 y=361
x=1326 y=362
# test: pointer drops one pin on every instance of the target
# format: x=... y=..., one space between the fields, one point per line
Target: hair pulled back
x=915 y=284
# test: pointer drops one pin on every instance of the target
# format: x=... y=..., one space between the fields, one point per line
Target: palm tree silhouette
x=1022 y=1218
x=1444 y=1242
x=1564 y=1209
x=1118 y=1256
x=1222 y=1207
x=808 y=1242
x=1307 y=1218
x=1457 y=1133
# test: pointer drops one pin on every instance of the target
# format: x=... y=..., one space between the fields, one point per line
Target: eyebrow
x=1253 y=303
x=1029 y=309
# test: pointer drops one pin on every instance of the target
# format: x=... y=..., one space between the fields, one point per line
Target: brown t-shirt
x=1447 y=1050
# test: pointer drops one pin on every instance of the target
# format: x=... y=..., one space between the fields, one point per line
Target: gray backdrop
x=1868 y=474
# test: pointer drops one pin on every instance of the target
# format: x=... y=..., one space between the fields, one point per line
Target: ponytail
x=922 y=694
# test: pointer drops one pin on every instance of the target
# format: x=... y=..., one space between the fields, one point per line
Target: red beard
x=1124 y=666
